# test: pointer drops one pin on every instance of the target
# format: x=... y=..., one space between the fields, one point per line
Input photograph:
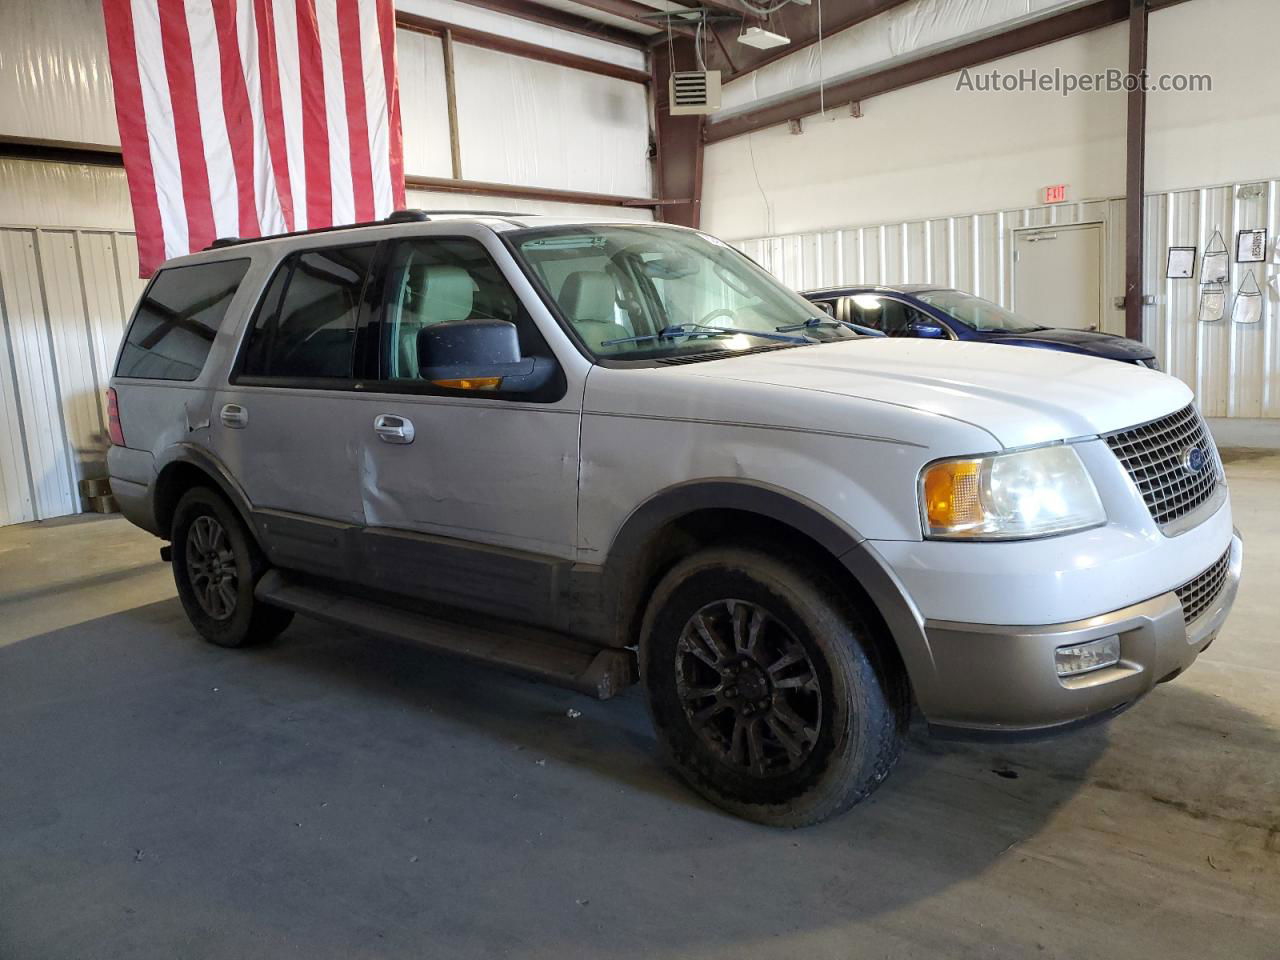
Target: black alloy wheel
x=748 y=688
x=772 y=693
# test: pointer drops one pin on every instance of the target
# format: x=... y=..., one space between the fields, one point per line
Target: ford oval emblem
x=1193 y=460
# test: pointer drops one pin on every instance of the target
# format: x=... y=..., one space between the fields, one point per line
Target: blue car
x=941 y=313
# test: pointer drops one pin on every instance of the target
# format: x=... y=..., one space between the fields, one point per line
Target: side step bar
x=596 y=671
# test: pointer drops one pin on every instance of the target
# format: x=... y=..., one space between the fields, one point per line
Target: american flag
x=243 y=118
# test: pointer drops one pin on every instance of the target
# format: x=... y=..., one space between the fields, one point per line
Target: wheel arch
x=185 y=467
x=699 y=513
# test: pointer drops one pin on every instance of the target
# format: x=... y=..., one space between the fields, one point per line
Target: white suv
x=598 y=453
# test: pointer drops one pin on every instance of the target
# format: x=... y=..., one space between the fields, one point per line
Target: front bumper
x=1002 y=680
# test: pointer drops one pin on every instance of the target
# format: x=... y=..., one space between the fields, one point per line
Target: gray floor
x=335 y=796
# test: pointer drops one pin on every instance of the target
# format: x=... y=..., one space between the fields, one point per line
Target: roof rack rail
x=479 y=213
x=407 y=215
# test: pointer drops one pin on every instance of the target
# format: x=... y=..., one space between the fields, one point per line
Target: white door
x=1058 y=276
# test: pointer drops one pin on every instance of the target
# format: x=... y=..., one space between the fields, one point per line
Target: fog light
x=1085 y=657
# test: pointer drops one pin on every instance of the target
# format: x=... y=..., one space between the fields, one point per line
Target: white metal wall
x=523 y=122
x=1233 y=368
x=64 y=296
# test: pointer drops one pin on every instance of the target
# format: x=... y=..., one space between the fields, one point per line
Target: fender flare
x=846 y=546
x=749 y=496
x=190 y=455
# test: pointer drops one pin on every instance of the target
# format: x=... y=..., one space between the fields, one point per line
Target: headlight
x=1031 y=493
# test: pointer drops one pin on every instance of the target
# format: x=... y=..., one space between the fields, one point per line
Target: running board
x=599 y=672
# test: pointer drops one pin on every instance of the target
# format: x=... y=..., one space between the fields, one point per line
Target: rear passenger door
x=289 y=424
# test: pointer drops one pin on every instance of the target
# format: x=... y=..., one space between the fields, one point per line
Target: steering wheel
x=719 y=312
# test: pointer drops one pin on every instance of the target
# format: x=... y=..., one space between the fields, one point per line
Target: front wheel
x=767 y=691
x=216 y=565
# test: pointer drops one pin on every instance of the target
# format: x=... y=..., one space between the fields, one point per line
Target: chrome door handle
x=393 y=429
x=235 y=416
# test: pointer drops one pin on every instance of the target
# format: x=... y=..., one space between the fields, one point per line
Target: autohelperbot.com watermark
x=1065 y=83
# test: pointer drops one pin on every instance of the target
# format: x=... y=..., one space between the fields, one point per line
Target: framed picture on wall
x=1182 y=263
x=1251 y=246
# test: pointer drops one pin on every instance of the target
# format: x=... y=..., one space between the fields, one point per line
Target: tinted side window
x=306 y=323
x=826 y=306
x=882 y=313
x=177 y=319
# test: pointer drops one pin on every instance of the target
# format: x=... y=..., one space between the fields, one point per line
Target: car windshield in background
x=646 y=292
x=977 y=313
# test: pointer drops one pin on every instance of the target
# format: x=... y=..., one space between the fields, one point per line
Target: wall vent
x=694 y=92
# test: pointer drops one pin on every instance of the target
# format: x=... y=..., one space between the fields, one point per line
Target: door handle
x=393 y=429
x=235 y=416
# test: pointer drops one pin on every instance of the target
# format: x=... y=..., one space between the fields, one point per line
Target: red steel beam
x=799 y=23
x=1094 y=16
x=1135 y=172
x=511 y=191
x=550 y=17
x=677 y=171
x=519 y=48
x=639 y=13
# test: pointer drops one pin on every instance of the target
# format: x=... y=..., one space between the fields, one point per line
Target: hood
x=1078 y=341
x=1021 y=397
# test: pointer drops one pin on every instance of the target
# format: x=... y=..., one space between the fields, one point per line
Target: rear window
x=177 y=319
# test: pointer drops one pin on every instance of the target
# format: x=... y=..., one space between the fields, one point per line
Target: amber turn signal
x=951 y=494
x=471 y=383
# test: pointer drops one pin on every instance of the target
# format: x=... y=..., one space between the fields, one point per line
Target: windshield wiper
x=688 y=330
x=831 y=322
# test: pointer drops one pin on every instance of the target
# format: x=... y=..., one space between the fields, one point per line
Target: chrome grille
x=1199 y=593
x=1153 y=454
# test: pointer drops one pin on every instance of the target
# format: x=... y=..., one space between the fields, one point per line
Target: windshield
x=977 y=313
x=640 y=292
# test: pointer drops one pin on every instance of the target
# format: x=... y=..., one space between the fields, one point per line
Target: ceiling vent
x=694 y=92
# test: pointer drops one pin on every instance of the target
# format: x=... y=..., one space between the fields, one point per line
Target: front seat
x=436 y=294
x=587 y=298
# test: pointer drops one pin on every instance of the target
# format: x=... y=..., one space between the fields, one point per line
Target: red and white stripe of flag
x=253 y=117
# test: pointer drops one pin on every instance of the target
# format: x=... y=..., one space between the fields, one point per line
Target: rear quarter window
x=177 y=319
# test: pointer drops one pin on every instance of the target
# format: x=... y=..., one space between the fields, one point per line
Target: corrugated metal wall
x=64 y=297
x=1233 y=368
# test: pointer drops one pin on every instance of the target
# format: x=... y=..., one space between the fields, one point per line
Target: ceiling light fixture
x=762 y=39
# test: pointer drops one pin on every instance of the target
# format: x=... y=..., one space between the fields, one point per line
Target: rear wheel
x=766 y=689
x=216 y=565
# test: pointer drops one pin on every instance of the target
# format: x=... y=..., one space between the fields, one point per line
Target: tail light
x=114 y=430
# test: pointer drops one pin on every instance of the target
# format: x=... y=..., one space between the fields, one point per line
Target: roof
x=397 y=225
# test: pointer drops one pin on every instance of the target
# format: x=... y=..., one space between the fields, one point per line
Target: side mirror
x=926 y=328
x=479 y=354
x=825 y=307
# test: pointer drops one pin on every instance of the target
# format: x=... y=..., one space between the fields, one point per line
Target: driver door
x=470 y=495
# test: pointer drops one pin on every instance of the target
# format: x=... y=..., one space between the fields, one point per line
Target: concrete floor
x=336 y=796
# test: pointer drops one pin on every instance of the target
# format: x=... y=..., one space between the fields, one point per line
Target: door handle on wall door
x=393 y=429
x=235 y=416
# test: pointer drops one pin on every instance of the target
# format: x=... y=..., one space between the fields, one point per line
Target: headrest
x=445 y=294
x=588 y=295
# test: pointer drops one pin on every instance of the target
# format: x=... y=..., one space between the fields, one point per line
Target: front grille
x=1154 y=454
x=1199 y=593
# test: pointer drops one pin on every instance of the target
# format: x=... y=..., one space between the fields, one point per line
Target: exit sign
x=1056 y=194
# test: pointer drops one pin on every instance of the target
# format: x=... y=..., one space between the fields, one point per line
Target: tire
x=216 y=565
x=766 y=689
